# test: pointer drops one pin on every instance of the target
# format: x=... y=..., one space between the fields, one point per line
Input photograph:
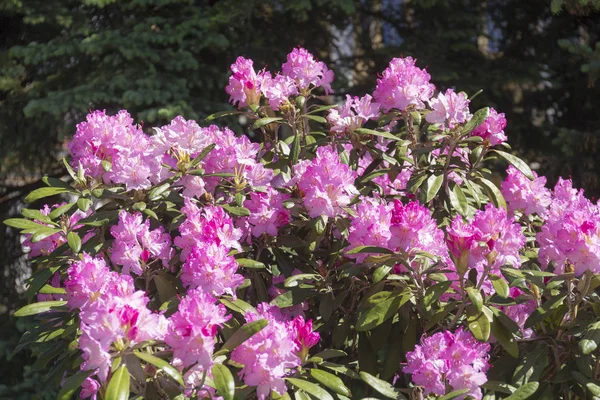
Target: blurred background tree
x=537 y=61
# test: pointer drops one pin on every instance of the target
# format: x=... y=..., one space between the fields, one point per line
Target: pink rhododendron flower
x=192 y=330
x=353 y=115
x=521 y=193
x=327 y=184
x=209 y=268
x=245 y=84
x=492 y=129
x=371 y=226
x=305 y=70
x=413 y=229
x=117 y=140
x=305 y=338
x=403 y=84
x=135 y=244
x=571 y=233
x=520 y=311
x=279 y=89
x=89 y=389
x=446 y=358
x=204 y=226
x=268 y=355
x=267 y=213
x=449 y=109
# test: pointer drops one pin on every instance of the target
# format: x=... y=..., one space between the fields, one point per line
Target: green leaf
x=493 y=192
x=433 y=293
x=221 y=114
x=369 y=249
x=381 y=386
x=383 y=134
x=322 y=108
x=524 y=391
x=224 y=382
x=162 y=365
x=72 y=384
x=505 y=337
x=500 y=285
x=381 y=312
x=118 y=387
x=310 y=388
x=156 y=192
x=501 y=387
x=249 y=263
x=516 y=162
x=454 y=394
x=237 y=211
x=45 y=192
x=476 y=120
x=241 y=335
x=57 y=212
x=459 y=200
x=475 y=297
x=237 y=305
x=591 y=339
x=205 y=151
x=100 y=218
x=47 y=289
x=84 y=204
x=330 y=381
x=74 y=242
x=22 y=223
x=316 y=118
x=35 y=214
x=55 y=182
x=434 y=183
x=265 y=121
x=42 y=234
x=480 y=327
x=296 y=147
x=38 y=308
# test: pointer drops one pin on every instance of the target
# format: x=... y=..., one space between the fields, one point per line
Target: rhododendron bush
x=358 y=250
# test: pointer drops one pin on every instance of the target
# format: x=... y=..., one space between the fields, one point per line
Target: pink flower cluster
x=327 y=183
x=191 y=334
x=571 y=233
x=403 y=84
x=453 y=359
x=112 y=313
x=449 y=109
x=371 y=226
x=521 y=193
x=353 y=115
x=490 y=241
x=492 y=129
x=136 y=245
x=268 y=356
x=267 y=212
x=116 y=140
x=50 y=243
x=301 y=71
x=207 y=236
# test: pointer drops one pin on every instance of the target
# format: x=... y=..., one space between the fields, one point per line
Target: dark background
x=536 y=61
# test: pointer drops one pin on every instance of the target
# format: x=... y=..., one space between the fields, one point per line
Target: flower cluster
x=298 y=74
x=112 y=313
x=268 y=355
x=449 y=109
x=571 y=233
x=353 y=115
x=403 y=84
x=327 y=184
x=528 y=196
x=446 y=358
x=207 y=236
x=492 y=129
x=136 y=245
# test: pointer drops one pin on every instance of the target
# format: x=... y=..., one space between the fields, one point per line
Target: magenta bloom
x=521 y=193
x=461 y=239
x=136 y=245
x=371 y=226
x=571 y=232
x=449 y=109
x=192 y=330
x=302 y=67
x=403 y=84
x=279 y=89
x=117 y=140
x=267 y=213
x=492 y=129
x=270 y=354
x=245 y=84
x=327 y=184
x=353 y=115
x=89 y=388
x=305 y=338
x=457 y=357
